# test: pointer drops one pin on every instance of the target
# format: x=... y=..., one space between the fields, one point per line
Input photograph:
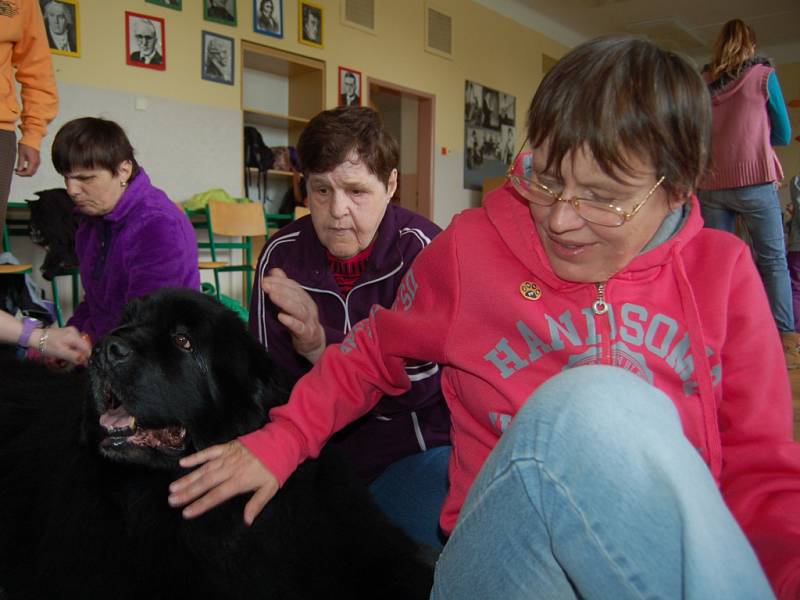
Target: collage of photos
x=489 y=134
x=145 y=36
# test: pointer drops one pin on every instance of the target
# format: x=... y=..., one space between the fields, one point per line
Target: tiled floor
x=794 y=378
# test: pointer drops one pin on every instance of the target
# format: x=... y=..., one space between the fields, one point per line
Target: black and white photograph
x=310 y=24
x=489 y=133
x=220 y=11
x=173 y=4
x=62 y=23
x=491 y=108
x=217 y=62
x=145 y=43
x=508 y=109
x=268 y=17
x=473 y=100
x=349 y=87
x=508 y=148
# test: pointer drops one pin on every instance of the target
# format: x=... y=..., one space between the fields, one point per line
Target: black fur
x=89 y=519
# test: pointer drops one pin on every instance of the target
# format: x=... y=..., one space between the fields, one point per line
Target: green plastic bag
x=227 y=301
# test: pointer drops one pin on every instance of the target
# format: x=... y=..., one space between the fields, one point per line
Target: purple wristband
x=28 y=325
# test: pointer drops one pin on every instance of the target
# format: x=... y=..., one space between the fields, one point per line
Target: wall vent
x=359 y=14
x=438 y=32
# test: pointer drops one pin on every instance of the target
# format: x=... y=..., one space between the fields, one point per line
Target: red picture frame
x=349 y=79
x=145 y=41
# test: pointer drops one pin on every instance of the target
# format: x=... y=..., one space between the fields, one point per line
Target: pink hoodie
x=689 y=316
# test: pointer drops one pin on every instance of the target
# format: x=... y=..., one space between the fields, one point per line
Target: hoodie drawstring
x=702 y=367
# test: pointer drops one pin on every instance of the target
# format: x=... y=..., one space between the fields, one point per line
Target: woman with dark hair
x=622 y=420
x=748 y=117
x=132 y=239
x=324 y=272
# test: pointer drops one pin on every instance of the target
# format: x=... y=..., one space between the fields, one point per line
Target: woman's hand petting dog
x=227 y=470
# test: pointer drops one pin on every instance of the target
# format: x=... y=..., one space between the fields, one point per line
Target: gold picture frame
x=62 y=24
x=310 y=24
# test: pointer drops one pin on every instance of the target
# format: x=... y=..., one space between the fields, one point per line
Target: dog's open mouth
x=121 y=429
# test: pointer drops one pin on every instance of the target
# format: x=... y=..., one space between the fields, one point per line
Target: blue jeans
x=411 y=493
x=760 y=207
x=595 y=492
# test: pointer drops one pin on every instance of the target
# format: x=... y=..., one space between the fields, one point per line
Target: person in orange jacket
x=24 y=54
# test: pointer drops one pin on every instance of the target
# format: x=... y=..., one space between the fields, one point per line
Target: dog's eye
x=182 y=341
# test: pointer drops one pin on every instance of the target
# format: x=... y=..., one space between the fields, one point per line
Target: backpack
x=258 y=156
x=52 y=225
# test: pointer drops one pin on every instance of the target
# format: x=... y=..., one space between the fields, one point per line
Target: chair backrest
x=231 y=219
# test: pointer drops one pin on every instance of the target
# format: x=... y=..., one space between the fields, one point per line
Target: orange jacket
x=23 y=44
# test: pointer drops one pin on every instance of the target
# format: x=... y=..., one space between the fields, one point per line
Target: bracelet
x=43 y=341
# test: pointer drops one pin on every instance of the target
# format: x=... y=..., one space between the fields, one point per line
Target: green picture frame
x=173 y=4
x=220 y=11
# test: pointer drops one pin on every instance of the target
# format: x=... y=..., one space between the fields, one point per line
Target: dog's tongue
x=116 y=418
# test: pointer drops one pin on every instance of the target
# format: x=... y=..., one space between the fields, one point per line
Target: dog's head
x=180 y=373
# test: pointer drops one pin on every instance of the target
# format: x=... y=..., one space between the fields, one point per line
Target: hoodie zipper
x=600 y=308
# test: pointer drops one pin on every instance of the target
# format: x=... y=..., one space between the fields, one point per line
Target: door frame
x=425 y=139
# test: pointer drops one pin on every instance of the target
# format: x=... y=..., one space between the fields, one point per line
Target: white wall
x=185 y=148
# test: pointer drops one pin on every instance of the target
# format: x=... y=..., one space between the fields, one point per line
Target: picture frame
x=268 y=17
x=145 y=41
x=310 y=24
x=350 y=90
x=217 y=58
x=62 y=23
x=173 y=4
x=220 y=11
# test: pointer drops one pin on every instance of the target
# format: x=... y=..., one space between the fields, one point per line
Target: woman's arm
x=63 y=343
x=345 y=384
x=780 y=126
x=760 y=477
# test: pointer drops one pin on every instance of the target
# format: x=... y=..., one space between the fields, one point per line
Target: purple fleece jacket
x=398 y=426
x=144 y=244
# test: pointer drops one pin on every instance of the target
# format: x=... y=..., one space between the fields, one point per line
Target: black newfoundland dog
x=86 y=458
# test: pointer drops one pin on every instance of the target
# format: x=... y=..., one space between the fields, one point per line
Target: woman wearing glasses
x=621 y=414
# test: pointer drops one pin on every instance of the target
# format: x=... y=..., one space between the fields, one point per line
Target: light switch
x=141 y=104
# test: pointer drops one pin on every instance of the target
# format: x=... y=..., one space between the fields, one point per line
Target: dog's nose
x=115 y=351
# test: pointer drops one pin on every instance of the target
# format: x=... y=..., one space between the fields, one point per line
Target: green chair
x=74 y=275
x=24 y=269
x=238 y=223
x=21 y=269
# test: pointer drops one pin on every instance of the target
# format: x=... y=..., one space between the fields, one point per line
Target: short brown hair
x=624 y=96
x=91 y=143
x=334 y=135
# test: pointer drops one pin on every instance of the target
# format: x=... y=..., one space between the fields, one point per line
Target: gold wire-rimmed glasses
x=606 y=214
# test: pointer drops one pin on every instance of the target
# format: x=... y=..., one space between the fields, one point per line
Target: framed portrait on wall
x=145 y=41
x=173 y=4
x=268 y=17
x=310 y=24
x=217 y=58
x=62 y=23
x=349 y=87
x=220 y=11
